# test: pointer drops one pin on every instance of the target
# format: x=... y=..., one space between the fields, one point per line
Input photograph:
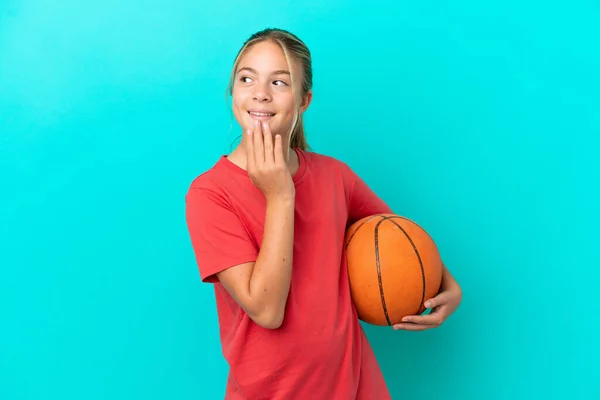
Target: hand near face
x=266 y=163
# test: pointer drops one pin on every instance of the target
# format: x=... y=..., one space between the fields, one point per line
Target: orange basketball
x=393 y=265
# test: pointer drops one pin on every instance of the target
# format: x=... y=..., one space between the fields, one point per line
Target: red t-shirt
x=320 y=352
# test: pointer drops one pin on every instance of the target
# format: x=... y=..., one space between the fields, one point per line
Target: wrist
x=281 y=200
x=448 y=281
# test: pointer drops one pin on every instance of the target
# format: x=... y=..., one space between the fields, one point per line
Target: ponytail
x=298 y=137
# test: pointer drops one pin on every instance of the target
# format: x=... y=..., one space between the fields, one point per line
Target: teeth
x=259 y=114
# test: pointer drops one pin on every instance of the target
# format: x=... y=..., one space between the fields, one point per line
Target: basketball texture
x=393 y=266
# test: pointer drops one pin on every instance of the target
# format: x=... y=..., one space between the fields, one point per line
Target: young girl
x=267 y=225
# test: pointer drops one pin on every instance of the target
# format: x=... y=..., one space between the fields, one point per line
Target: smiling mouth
x=259 y=114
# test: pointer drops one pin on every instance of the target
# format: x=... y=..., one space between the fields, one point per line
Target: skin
x=442 y=306
x=263 y=83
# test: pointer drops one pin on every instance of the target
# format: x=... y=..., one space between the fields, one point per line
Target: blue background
x=479 y=120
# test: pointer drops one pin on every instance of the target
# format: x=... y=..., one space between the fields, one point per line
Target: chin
x=271 y=121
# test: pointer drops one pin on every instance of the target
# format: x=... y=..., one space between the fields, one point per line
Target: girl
x=267 y=225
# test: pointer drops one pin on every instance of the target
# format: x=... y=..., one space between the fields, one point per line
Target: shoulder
x=210 y=186
x=330 y=165
x=326 y=162
x=208 y=180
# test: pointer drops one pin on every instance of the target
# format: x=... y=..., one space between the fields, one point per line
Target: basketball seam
x=417 y=254
x=378 y=267
x=358 y=227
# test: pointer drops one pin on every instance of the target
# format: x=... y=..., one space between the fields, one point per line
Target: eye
x=244 y=79
x=280 y=83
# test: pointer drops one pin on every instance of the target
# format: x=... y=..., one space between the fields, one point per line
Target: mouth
x=261 y=115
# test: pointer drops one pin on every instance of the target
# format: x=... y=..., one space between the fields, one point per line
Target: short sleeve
x=362 y=201
x=218 y=237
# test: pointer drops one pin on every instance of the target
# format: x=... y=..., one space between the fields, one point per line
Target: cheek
x=237 y=103
x=236 y=100
x=287 y=104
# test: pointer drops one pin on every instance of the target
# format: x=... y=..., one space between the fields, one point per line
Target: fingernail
x=427 y=304
x=264 y=125
x=248 y=131
x=256 y=123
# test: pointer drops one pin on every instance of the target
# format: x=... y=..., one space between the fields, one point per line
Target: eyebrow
x=253 y=71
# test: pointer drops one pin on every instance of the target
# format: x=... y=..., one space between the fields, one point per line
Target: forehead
x=264 y=57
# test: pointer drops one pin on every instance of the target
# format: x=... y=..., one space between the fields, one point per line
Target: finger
x=438 y=300
x=250 y=161
x=259 y=149
x=434 y=319
x=268 y=143
x=278 y=150
x=407 y=326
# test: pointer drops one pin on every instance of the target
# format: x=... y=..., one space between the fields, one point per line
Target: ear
x=306 y=100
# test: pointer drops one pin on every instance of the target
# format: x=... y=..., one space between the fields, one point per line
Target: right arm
x=257 y=279
x=261 y=288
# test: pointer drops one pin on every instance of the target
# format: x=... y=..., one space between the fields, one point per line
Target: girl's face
x=262 y=90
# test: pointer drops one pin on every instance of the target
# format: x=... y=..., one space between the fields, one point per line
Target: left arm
x=448 y=281
x=363 y=202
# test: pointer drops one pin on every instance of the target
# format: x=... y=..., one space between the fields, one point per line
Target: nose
x=261 y=93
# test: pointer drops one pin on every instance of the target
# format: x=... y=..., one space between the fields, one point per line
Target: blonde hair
x=293 y=48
